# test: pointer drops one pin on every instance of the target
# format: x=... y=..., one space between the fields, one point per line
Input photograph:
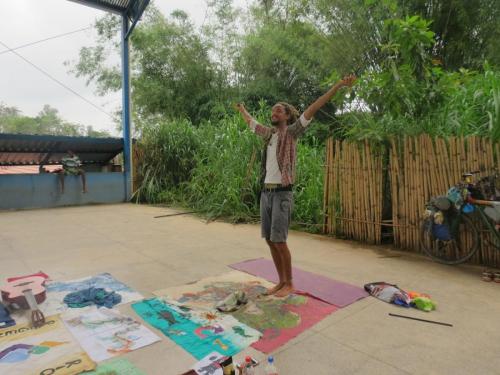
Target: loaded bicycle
x=452 y=224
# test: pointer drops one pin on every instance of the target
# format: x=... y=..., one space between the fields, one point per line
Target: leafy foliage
x=215 y=169
x=47 y=122
x=424 y=67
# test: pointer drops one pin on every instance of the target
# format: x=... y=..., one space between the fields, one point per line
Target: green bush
x=224 y=182
x=168 y=158
x=215 y=170
x=465 y=103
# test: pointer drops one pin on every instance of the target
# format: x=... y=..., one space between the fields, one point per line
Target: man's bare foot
x=285 y=290
x=274 y=289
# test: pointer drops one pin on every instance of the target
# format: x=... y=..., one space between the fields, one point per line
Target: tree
x=467 y=31
x=6 y=111
x=46 y=122
x=292 y=50
x=284 y=57
x=221 y=35
x=171 y=71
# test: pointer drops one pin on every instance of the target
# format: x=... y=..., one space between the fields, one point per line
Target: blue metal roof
x=22 y=149
x=114 y=6
x=132 y=9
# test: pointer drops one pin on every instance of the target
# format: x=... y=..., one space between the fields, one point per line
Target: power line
x=56 y=80
x=44 y=40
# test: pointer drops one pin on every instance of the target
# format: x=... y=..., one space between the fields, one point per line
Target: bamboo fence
x=353 y=191
x=418 y=168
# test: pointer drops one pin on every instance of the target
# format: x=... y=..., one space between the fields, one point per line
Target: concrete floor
x=150 y=254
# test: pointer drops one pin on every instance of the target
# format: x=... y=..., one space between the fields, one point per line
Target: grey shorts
x=276 y=213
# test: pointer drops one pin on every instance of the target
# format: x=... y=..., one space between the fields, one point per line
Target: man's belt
x=276 y=187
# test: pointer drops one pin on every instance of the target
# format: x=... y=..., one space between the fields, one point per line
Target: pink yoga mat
x=331 y=291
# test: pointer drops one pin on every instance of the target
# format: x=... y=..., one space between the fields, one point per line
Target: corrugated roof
x=21 y=149
x=130 y=7
x=115 y=6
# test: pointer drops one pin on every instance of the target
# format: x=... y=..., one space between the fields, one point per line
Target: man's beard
x=275 y=122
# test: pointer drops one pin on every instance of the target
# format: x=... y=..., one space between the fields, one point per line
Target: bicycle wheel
x=462 y=246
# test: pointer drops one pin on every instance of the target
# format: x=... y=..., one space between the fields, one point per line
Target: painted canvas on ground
x=117 y=366
x=209 y=365
x=106 y=333
x=278 y=319
x=49 y=349
x=57 y=290
x=205 y=293
x=199 y=334
x=281 y=319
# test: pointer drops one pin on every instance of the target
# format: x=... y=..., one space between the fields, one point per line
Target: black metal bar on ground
x=177 y=214
x=422 y=320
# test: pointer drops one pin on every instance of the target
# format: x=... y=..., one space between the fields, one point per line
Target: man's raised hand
x=348 y=81
x=239 y=107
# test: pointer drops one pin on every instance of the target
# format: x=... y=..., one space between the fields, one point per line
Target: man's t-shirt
x=273 y=172
x=71 y=164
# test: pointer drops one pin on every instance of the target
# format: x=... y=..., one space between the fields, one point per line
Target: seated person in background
x=71 y=166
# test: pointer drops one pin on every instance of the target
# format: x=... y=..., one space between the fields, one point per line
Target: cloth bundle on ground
x=388 y=293
x=232 y=302
x=91 y=296
x=393 y=294
x=423 y=303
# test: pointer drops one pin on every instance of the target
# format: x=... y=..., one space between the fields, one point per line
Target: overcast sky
x=22 y=86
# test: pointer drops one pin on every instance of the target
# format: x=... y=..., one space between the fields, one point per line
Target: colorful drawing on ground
x=57 y=290
x=49 y=349
x=204 y=294
x=278 y=319
x=199 y=334
x=106 y=333
x=22 y=352
x=117 y=366
x=281 y=319
x=210 y=365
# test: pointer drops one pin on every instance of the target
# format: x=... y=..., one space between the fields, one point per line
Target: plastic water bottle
x=249 y=370
x=270 y=367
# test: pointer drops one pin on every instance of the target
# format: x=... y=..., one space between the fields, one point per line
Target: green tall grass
x=225 y=181
x=215 y=169
x=168 y=158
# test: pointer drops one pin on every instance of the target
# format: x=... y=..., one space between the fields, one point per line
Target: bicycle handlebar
x=480 y=202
